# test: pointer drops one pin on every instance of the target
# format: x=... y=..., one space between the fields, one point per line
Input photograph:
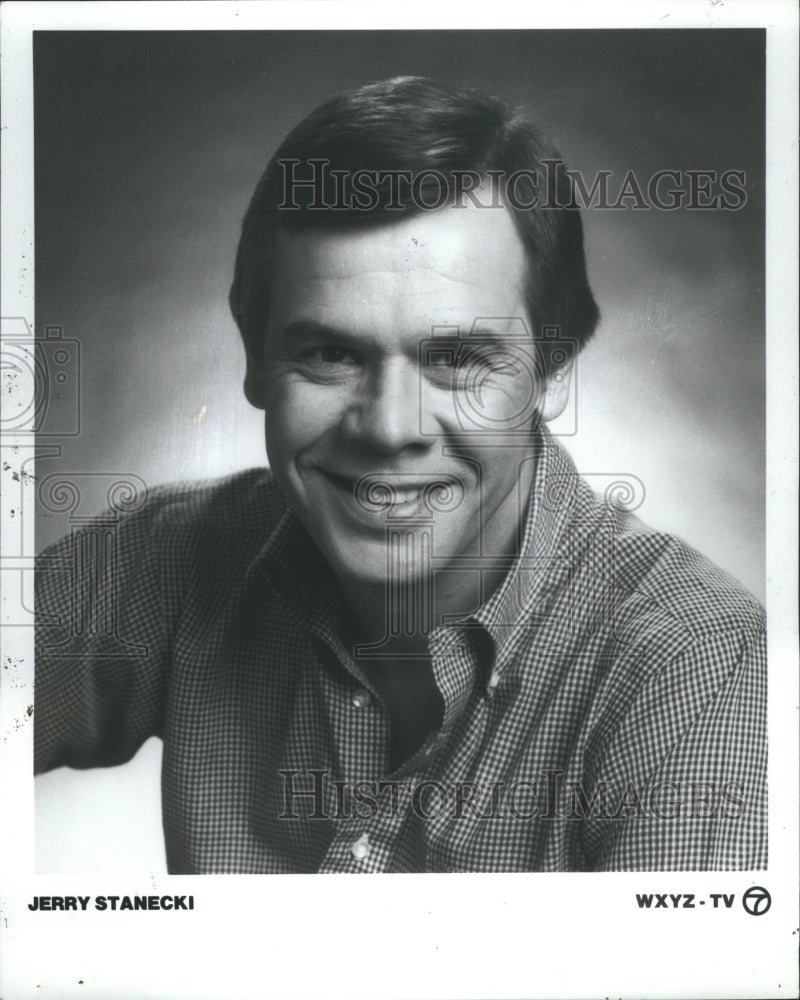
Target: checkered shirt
x=603 y=710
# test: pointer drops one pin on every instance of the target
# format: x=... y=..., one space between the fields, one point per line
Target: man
x=419 y=642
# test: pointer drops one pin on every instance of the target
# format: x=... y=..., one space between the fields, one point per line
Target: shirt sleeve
x=686 y=775
x=101 y=643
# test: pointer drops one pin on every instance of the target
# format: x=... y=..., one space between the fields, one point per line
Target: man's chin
x=366 y=573
x=377 y=564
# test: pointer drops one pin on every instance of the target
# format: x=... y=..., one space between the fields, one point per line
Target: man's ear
x=254 y=382
x=556 y=394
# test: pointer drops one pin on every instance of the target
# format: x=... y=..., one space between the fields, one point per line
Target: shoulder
x=244 y=501
x=665 y=576
x=217 y=524
x=222 y=522
x=685 y=658
x=197 y=542
x=647 y=590
x=683 y=631
x=657 y=607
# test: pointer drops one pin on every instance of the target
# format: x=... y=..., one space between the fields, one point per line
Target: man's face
x=348 y=392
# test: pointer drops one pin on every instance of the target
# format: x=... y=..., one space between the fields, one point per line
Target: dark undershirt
x=412 y=700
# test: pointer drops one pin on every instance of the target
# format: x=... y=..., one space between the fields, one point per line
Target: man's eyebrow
x=489 y=334
x=484 y=333
x=309 y=329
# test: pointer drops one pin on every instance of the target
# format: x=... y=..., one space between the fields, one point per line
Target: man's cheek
x=296 y=407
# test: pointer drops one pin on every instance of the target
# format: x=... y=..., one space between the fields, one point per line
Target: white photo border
x=531 y=935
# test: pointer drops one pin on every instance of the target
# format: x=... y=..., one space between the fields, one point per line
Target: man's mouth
x=375 y=492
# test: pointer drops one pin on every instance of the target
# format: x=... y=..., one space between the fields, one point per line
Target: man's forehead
x=449 y=240
x=437 y=263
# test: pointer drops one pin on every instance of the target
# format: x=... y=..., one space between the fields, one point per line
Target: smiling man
x=418 y=642
x=362 y=431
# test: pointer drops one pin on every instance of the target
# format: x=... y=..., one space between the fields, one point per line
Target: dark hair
x=415 y=124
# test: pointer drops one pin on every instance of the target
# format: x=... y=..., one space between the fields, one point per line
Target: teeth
x=407 y=496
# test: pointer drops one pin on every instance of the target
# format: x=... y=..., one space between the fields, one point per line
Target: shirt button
x=360 y=848
x=361 y=698
x=494 y=680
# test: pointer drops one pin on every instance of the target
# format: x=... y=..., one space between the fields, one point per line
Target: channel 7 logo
x=41 y=381
x=497 y=374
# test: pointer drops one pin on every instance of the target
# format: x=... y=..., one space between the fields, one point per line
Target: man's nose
x=386 y=416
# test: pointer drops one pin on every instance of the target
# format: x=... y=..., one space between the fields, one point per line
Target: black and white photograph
x=394 y=484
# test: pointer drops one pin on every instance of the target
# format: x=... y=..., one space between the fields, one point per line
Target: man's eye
x=329 y=358
x=460 y=362
x=441 y=359
x=491 y=359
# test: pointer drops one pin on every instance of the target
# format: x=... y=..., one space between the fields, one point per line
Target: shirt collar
x=522 y=600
